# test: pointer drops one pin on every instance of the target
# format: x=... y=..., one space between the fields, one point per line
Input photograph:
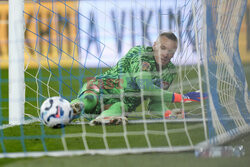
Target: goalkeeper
x=119 y=89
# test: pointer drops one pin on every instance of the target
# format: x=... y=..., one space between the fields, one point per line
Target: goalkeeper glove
x=188 y=97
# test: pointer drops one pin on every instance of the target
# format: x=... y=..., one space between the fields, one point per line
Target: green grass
x=184 y=159
x=32 y=137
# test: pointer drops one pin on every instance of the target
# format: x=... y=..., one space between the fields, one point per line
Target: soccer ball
x=56 y=112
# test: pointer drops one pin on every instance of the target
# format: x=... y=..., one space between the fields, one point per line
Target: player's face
x=164 y=50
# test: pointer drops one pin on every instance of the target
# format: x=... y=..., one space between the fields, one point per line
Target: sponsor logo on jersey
x=145 y=66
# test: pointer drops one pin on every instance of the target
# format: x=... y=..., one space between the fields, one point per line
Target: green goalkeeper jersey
x=126 y=78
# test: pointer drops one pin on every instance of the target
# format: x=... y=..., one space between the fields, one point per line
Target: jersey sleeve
x=128 y=63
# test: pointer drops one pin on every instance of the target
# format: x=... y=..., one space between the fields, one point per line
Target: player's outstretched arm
x=176 y=97
x=144 y=81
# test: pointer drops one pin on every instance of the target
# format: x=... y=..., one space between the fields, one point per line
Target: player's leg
x=113 y=115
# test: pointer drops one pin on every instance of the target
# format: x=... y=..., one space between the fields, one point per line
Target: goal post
x=16 y=62
x=228 y=104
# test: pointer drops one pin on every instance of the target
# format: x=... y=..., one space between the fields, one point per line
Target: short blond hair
x=169 y=35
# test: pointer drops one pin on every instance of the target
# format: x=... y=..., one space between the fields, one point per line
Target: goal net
x=68 y=42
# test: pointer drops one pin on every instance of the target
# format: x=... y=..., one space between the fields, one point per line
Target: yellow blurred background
x=244 y=38
x=56 y=36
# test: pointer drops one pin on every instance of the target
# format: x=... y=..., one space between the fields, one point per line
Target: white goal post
x=16 y=62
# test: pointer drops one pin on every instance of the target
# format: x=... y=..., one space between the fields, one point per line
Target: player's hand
x=193 y=96
x=78 y=108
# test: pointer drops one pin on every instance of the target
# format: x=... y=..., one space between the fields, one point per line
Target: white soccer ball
x=56 y=112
